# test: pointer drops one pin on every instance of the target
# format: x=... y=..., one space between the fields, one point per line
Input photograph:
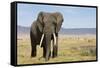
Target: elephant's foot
x=33 y=51
x=33 y=55
x=54 y=54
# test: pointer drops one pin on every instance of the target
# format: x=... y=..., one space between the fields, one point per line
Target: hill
x=70 y=31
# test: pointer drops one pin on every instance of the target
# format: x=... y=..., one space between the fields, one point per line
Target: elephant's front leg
x=33 y=46
x=44 y=49
x=33 y=51
x=55 y=47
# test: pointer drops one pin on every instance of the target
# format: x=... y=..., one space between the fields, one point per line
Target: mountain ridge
x=72 y=31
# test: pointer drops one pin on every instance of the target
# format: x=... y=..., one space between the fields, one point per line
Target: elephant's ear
x=40 y=21
x=40 y=17
x=59 y=19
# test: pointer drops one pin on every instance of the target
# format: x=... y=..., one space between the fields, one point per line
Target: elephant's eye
x=62 y=20
x=54 y=23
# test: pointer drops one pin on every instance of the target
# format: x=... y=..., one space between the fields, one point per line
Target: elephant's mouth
x=42 y=37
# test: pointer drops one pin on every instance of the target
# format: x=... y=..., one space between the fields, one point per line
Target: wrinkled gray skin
x=47 y=24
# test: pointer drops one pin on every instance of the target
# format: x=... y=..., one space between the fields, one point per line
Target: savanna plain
x=70 y=48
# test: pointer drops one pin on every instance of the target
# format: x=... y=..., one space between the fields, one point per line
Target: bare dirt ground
x=70 y=48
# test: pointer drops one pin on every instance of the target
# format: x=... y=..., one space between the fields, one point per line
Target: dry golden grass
x=70 y=48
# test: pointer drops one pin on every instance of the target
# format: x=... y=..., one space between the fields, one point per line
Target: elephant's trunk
x=41 y=39
x=54 y=38
x=48 y=46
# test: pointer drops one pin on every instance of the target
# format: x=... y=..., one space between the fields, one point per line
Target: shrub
x=88 y=52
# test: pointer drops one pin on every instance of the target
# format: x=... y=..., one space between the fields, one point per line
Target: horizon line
x=61 y=27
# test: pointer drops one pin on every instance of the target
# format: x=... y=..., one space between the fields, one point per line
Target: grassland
x=70 y=48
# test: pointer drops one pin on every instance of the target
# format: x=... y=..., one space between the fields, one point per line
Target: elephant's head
x=49 y=23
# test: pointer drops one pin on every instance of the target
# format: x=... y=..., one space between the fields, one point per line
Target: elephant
x=44 y=30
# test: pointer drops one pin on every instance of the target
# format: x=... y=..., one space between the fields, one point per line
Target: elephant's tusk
x=54 y=38
x=41 y=39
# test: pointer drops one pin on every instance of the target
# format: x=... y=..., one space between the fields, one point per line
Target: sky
x=74 y=17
